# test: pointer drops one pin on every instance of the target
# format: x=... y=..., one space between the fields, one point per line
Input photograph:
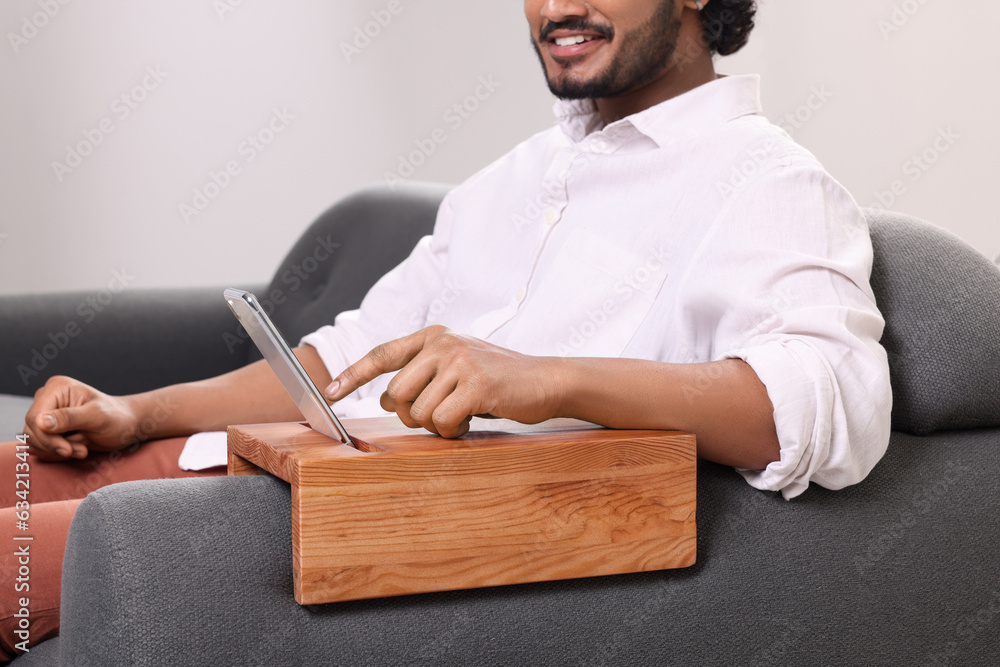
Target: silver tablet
x=285 y=365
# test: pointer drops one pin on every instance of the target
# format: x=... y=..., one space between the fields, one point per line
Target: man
x=663 y=258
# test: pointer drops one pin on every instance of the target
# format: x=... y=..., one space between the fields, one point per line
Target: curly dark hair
x=728 y=24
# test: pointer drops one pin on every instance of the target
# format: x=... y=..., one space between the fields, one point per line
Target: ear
x=696 y=5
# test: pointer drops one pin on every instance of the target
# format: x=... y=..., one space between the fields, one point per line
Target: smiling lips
x=564 y=44
x=570 y=41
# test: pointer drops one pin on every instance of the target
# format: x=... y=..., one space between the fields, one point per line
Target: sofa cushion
x=941 y=302
x=345 y=251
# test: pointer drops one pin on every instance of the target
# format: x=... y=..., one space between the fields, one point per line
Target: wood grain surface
x=406 y=511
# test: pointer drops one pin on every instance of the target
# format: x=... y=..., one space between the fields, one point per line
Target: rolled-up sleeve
x=800 y=311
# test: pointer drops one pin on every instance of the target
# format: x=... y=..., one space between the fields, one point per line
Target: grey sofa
x=900 y=569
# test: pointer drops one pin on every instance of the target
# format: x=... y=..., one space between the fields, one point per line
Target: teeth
x=570 y=41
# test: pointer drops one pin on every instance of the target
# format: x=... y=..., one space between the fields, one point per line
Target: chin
x=569 y=88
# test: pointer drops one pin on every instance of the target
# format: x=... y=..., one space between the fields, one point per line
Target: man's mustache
x=576 y=25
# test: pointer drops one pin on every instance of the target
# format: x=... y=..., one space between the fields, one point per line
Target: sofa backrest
x=345 y=251
x=941 y=302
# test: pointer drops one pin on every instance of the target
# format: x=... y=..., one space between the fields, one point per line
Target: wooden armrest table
x=409 y=512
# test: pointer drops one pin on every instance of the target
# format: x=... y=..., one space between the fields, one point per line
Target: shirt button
x=551 y=217
x=519 y=297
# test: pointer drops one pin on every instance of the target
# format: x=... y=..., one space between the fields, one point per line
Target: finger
x=384 y=358
x=423 y=409
x=402 y=410
x=64 y=420
x=79 y=442
x=58 y=449
x=413 y=378
x=46 y=422
x=452 y=416
x=52 y=426
x=456 y=430
x=58 y=453
x=48 y=457
x=57 y=391
x=420 y=412
x=47 y=446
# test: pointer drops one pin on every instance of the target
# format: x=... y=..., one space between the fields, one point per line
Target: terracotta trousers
x=38 y=501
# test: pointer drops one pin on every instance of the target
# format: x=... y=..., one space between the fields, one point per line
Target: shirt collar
x=681 y=117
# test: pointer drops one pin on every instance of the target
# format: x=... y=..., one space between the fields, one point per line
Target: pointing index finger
x=384 y=358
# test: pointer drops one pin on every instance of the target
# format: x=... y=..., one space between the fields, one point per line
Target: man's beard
x=644 y=53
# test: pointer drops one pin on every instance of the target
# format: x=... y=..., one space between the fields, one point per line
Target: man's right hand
x=69 y=419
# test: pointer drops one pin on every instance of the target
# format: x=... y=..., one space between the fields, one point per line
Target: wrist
x=151 y=415
x=559 y=378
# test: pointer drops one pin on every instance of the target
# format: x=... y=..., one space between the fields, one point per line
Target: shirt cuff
x=326 y=341
x=803 y=394
x=330 y=342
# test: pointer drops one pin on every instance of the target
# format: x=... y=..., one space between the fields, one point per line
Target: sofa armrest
x=899 y=569
x=121 y=343
x=234 y=531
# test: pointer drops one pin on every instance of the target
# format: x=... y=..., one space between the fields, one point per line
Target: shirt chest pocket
x=589 y=298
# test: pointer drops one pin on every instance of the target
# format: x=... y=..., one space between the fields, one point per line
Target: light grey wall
x=904 y=75
x=346 y=120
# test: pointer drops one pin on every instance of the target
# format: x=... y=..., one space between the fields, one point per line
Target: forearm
x=723 y=403
x=251 y=394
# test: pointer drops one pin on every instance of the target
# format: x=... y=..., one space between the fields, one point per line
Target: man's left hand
x=446 y=378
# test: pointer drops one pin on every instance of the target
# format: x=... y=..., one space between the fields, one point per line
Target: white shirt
x=692 y=231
